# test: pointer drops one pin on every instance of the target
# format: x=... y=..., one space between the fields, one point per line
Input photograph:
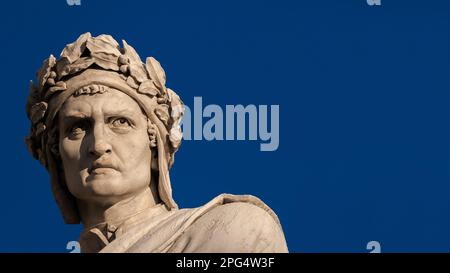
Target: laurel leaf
x=74 y=50
x=45 y=70
x=105 y=60
x=103 y=44
x=137 y=70
x=148 y=87
x=156 y=72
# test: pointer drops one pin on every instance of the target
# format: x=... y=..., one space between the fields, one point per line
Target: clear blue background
x=364 y=112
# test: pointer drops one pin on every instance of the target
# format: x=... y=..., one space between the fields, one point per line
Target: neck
x=94 y=213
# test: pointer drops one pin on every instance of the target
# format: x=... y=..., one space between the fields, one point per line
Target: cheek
x=69 y=151
x=70 y=156
x=134 y=150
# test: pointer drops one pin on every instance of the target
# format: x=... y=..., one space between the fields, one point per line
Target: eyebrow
x=77 y=115
x=113 y=112
x=74 y=115
x=72 y=118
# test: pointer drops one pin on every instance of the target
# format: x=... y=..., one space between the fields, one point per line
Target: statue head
x=103 y=124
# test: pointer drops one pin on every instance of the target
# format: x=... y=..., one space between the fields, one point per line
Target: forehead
x=110 y=101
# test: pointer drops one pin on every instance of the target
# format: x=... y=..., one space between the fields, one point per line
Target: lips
x=101 y=168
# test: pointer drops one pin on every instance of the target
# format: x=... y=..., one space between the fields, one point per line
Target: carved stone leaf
x=106 y=61
x=175 y=136
x=123 y=77
x=156 y=72
x=40 y=127
x=176 y=105
x=103 y=44
x=136 y=67
x=148 y=87
x=59 y=86
x=131 y=53
x=132 y=82
x=41 y=156
x=81 y=64
x=62 y=67
x=33 y=89
x=137 y=72
x=37 y=111
x=45 y=70
x=162 y=111
x=74 y=50
x=108 y=39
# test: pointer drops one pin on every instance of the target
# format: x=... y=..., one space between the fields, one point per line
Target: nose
x=100 y=148
x=100 y=144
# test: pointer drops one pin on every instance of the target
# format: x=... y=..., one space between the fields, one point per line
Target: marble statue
x=106 y=128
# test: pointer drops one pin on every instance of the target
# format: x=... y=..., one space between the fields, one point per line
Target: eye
x=77 y=129
x=120 y=123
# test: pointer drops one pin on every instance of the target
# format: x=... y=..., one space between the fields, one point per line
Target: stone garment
x=228 y=223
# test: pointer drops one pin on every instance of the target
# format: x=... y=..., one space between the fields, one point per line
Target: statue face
x=104 y=146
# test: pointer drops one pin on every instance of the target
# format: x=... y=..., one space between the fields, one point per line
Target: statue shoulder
x=234 y=223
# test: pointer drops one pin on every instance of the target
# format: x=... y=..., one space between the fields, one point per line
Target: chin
x=105 y=185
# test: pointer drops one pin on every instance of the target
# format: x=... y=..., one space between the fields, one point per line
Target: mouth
x=101 y=169
x=97 y=171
